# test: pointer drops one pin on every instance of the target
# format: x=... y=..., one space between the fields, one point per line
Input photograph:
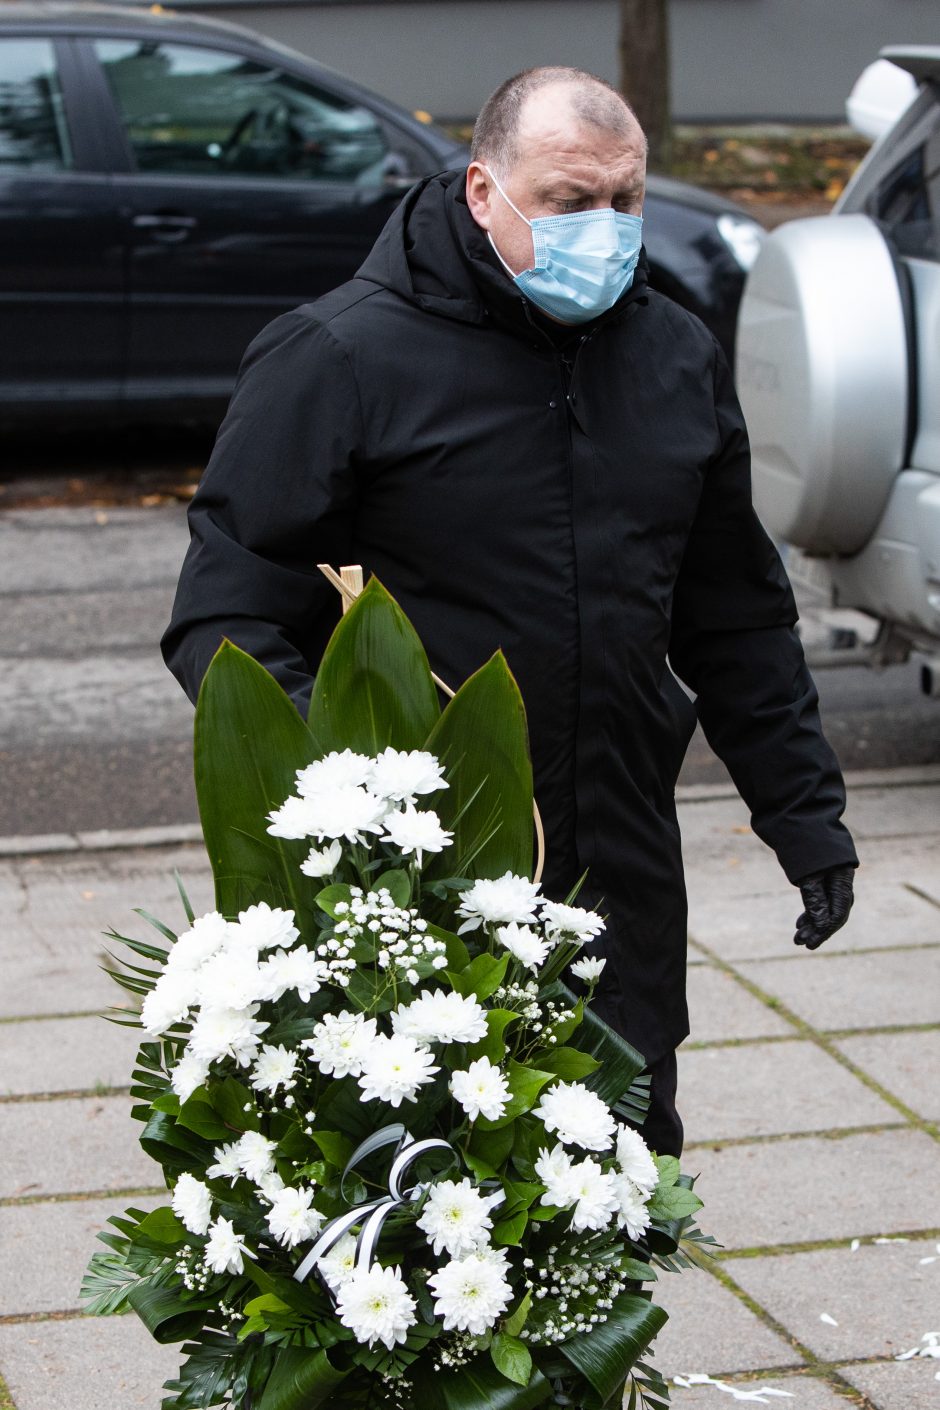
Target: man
x=534 y=451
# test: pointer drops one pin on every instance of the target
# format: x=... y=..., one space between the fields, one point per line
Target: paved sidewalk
x=810 y=1085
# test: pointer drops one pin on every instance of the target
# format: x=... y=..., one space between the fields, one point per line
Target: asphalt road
x=95 y=733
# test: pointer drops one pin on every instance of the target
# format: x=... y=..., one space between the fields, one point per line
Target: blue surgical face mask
x=583 y=261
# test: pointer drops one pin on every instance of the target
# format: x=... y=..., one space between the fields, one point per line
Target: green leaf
x=230 y=1098
x=106 y=1284
x=167 y=1317
x=493 y=1046
x=674 y=1202
x=328 y=897
x=568 y=1063
x=513 y=1325
x=525 y=1084
x=483 y=741
x=175 y=1148
x=478 y=1386
x=508 y=1232
x=398 y=884
x=482 y=977
x=301 y=1380
x=512 y=1358
x=458 y=956
x=249 y=743
x=161 y=1226
x=492 y=1146
x=198 y=1114
x=605 y=1357
x=619 y=1061
x=668 y=1167
x=373 y=686
x=336 y=1147
x=636 y=1270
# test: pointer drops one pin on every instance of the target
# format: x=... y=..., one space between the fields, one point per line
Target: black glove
x=827 y=896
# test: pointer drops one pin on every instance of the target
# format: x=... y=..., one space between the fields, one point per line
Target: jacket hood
x=432 y=253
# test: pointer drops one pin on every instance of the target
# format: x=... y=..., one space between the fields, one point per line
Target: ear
x=480 y=190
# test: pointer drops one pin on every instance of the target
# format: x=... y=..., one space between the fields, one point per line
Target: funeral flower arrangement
x=395 y=1141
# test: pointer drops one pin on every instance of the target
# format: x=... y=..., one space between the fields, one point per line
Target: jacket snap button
x=553 y=404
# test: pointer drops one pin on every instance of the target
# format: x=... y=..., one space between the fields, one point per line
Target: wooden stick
x=348 y=583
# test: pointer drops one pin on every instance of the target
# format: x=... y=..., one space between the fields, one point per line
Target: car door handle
x=165 y=225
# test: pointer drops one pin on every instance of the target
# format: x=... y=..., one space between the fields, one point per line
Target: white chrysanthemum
x=169 y=1001
x=192 y=1204
x=348 y=812
x=234 y=1033
x=227 y=1164
x=264 y=927
x=297 y=969
x=188 y=1074
x=275 y=1067
x=400 y=775
x=255 y=1155
x=291 y=1219
x=578 y=1115
x=230 y=980
x=456 y=1217
x=417 y=832
x=554 y=1170
x=225 y=1250
x=470 y=1294
x=375 y=1305
x=339 y=1264
x=438 y=1016
x=481 y=1089
x=632 y=1213
x=205 y=937
x=508 y=898
x=394 y=1069
x=336 y=770
x=340 y=1042
x=635 y=1160
x=528 y=947
x=322 y=861
x=270 y=1186
x=571 y=922
x=595 y=1195
x=589 y=970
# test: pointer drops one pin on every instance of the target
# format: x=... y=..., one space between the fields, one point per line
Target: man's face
x=564 y=165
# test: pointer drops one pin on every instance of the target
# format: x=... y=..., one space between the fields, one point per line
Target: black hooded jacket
x=580 y=498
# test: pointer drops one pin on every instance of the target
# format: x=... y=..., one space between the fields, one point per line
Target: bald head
x=523 y=101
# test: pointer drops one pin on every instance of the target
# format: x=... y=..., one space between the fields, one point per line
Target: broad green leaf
x=249 y=743
x=328 y=897
x=235 y=1104
x=458 y=956
x=637 y=1271
x=300 y=1380
x=161 y=1226
x=397 y=883
x=198 y=1114
x=619 y=1061
x=668 y=1167
x=492 y=1146
x=483 y=742
x=508 y=1232
x=568 y=1063
x=512 y=1358
x=175 y=1148
x=165 y=1314
x=373 y=687
x=674 y=1202
x=605 y=1357
x=513 y=1325
x=525 y=1084
x=493 y=1046
x=478 y=1386
x=336 y=1147
x=482 y=977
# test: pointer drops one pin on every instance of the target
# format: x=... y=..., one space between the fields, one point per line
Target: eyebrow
x=577 y=190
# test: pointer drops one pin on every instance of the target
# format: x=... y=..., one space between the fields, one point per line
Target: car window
x=33 y=131
x=204 y=112
x=908 y=199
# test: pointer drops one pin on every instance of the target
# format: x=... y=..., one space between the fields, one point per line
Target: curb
x=182 y=834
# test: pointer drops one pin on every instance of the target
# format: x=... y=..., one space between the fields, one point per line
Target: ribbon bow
x=373 y=1213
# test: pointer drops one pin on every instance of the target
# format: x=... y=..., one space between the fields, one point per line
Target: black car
x=169 y=184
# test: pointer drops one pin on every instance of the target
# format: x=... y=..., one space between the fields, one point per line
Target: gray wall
x=788 y=60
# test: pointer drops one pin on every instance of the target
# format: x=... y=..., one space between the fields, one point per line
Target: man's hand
x=827 y=896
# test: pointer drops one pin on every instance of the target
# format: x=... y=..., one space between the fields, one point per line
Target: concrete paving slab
x=47 y=1248
x=807 y=1393
x=719 y=1008
x=898 y=1385
x=893 y=812
x=766 y=1090
x=881 y=1296
x=907 y=1064
x=761 y=927
x=710 y=1330
x=811 y=1188
x=69 y=1145
x=855 y=991
x=85 y=1364
x=59 y=907
x=65 y=1055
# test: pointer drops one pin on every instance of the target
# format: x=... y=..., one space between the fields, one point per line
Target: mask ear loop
x=493 y=245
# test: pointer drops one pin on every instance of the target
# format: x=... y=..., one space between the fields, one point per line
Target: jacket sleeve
x=277 y=497
x=733 y=643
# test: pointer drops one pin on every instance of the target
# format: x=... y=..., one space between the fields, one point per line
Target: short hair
x=594 y=100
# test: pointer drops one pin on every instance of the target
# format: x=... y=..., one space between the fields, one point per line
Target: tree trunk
x=644 y=72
